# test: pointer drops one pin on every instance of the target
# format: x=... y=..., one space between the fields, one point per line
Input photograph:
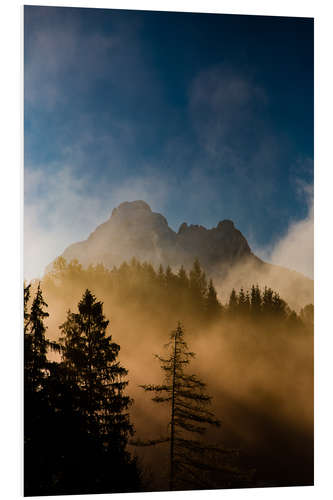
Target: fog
x=260 y=376
x=294 y=287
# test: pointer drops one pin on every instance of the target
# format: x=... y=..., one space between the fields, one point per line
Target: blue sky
x=205 y=117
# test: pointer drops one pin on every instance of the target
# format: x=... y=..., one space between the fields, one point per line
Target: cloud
x=230 y=119
x=67 y=58
x=56 y=212
x=59 y=209
x=295 y=249
x=224 y=105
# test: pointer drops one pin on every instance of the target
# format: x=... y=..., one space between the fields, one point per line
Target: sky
x=206 y=117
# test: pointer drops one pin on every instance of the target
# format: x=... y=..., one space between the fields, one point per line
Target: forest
x=140 y=379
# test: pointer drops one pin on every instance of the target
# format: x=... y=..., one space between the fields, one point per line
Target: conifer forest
x=140 y=379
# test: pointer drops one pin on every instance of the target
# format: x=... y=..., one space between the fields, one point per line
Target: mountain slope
x=133 y=230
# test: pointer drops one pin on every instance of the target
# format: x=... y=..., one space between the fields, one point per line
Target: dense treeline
x=165 y=293
x=78 y=415
x=139 y=286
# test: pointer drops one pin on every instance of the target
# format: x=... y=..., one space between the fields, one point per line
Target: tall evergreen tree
x=256 y=300
x=241 y=301
x=267 y=302
x=35 y=341
x=279 y=307
x=213 y=306
x=183 y=278
x=36 y=406
x=247 y=303
x=198 y=285
x=89 y=358
x=233 y=302
x=170 y=278
x=189 y=414
x=160 y=274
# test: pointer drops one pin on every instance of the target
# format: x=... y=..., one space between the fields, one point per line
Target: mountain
x=134 y=230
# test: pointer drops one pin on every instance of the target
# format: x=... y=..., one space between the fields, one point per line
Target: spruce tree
x=37 y=410
x=256 y=300
x=170 y=278
x=247 y=304
x=233 y=303
x=160 y=274
x=198 y=286
x=183 y=278
x=267 y=302
x=242 y=301
x=213 y=307
x=35 y=341
x=189 y=414
x=90 y=357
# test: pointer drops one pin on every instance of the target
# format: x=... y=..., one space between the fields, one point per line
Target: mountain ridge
x=134 y=230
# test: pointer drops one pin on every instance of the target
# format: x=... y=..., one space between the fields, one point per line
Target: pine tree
x=233 y=303
x=189 y=414
x=170 y=278
x=198 y=286
x=267 y=302
x=160 y=275
x=213 y=307
x=35 y=342
x=247 y=304
x=256 y=300
x=183 y=278
x=279 y=307
x=89 y=358
x=242 y=301
x=36 y=405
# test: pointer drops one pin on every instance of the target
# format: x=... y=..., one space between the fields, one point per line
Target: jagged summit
x=134 y=230
x=128 y=207
x=226 y=225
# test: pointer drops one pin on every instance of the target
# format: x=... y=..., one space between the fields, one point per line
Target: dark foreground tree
x=36 y=404
x=192 y=462
x=76 y=423
x=96 y=382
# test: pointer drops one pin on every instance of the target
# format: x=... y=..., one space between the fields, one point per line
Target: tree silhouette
x=198 y=285
x=189 y=414
x=89 y=358
x=213 y=307
x=36 y=407
x=233 y=303
x=256 y=300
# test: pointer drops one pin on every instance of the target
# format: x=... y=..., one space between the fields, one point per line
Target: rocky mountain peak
x=226 y=225
x=134 y=230
x=129 y=208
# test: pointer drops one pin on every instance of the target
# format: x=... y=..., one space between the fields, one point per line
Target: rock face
x=133 y=230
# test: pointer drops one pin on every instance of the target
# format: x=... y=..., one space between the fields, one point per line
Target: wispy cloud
x=223 y=104
x=295 y=248
x=60 y=210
